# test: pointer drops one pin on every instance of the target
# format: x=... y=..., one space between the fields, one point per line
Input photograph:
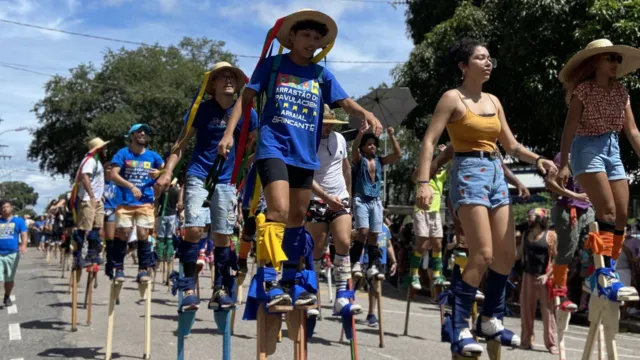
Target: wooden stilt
x=319 y=298
x=297 y=328
x=76 y=275
x=223 y=321
x=91 y=277
x=562 y=322
x=410 y=295
x=147 y=323
x=378 y=289
x=113 y=296
x=64 y=264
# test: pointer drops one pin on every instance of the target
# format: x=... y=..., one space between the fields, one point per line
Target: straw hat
x=329 y=117
x=96 y=143
x=630 y=57
x=307 y=14
x=240 y=76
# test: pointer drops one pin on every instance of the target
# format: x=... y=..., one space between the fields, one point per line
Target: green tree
x=151 y=84
x=19 y=193
x=29 y=212
x=531 y=40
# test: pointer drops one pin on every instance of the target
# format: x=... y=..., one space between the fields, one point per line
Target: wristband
x=538 y=159
x=423 y=181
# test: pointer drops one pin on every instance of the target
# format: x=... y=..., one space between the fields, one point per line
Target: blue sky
x=368 y=31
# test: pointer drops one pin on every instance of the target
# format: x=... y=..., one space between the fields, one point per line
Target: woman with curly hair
x=475 y=121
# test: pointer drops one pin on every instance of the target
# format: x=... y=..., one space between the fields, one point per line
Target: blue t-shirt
x=10 y=231
x=111 y=195
x=210 y=123
x=383 y=241
x=289 y=124
x=135 y=168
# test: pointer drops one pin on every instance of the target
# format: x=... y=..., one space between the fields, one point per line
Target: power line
x=145 y=44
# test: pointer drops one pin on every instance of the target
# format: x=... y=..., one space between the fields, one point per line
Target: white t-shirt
x=331 y=153
x=96 y=176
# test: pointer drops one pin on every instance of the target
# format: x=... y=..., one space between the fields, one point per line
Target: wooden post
x=76 y=275
x=410 y=295
x=147 y=323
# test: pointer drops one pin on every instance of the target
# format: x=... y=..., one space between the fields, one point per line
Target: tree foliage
x=532 y=40
x=151 y=84
x=19 y=193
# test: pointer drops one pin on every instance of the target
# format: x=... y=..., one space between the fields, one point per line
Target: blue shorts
x=109 y=215
x=594 y=154
x=222 y=213
x=477 y=181
x=368 y=213
x=166 y=226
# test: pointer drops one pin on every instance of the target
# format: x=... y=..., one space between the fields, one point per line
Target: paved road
x=38 y=326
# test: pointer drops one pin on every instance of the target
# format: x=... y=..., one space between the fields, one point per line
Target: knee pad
x=188 y=252
x=145 y=255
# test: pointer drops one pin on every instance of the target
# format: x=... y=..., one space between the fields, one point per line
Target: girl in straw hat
x=479 y=195
x=288 y=136
x=599 y=109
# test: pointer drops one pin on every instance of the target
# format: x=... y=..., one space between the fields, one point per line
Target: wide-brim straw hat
x=630 y=57
x=240 y=76
x=307 y=14
x=96 y=143
x=329 y=117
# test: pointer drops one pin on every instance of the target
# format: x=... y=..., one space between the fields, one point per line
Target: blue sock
x=188 y=253
x=221 y=256
x=78 y=237
x=145 y=255
x=94 y=242
x=494 y=295
x=118 y=252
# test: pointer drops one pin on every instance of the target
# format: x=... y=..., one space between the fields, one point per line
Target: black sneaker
x=306 y=298
x=7 y=301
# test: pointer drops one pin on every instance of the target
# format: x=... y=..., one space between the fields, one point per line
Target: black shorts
x=319 y=212
x=271 y=170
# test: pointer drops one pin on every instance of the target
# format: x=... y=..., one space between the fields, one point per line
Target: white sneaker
x=479 y=295
x=493 y=326
x=374 y=272
x=471 y=349
x=342 y=302
x=313 y=312
x=356 y=270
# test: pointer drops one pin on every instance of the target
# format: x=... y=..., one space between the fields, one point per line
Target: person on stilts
x=132 y=169
x=288 y=138
x=111 y=200
x=330 y=210
x=599 y=108
x=479 y=195
x=211 y=124
x=368 y=169
x=166 y=223
x=90 y=209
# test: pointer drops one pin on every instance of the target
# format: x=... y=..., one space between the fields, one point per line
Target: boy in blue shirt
x=13 y=239
x=131 y=169
x=210 y=124
x=289 y=128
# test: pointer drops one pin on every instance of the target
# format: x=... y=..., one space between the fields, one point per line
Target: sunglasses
x=615 y=58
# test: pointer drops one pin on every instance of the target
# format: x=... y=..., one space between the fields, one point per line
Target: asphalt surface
x=38 y=327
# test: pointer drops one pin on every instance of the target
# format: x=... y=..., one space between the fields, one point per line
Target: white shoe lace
x=465 y=334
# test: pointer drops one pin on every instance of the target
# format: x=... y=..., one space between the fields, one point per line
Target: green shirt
x=437 y=188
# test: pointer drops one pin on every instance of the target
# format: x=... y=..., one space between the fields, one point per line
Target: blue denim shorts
x=222 y=213
x=368 y=213
x=477 y=181
x=166 y=226
x=594 y=154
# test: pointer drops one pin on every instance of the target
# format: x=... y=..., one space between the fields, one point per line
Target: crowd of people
x=311 y=192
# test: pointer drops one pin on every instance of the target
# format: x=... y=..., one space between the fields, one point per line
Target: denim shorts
x=166 y=226
x=368 y=213
x=477 y=181
x=594 y=154
x=222 y=213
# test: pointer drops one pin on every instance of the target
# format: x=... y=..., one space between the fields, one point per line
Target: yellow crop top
x=473 y=132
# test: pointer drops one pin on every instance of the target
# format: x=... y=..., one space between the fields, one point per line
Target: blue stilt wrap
x=610 y=292
x=297 y=242
x=346 y=310
x=94 y=243
x=461 y=298
x=187 y=252
x=108 y=265
x=180 y=283
x=229 y=280
x=311 y=326
x=257 y=295
x=305 y=280
x=146 y=259
x=223 y=321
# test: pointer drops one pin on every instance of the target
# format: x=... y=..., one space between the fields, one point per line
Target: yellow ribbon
x=194 y=110
x=269 y=247
x=255 y=197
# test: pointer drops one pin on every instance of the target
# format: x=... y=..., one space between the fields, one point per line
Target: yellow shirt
x=437 y=188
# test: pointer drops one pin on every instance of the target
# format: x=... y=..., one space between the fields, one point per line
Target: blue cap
x=137 y=127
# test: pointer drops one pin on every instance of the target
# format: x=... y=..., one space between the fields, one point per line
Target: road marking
x=13 y=309
x=12 y=297
x=18 y=359
x=585 y=340
x=618 y=336
x=413 y=314
x=14 y=332
x=380 y=354
x=619 y=355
